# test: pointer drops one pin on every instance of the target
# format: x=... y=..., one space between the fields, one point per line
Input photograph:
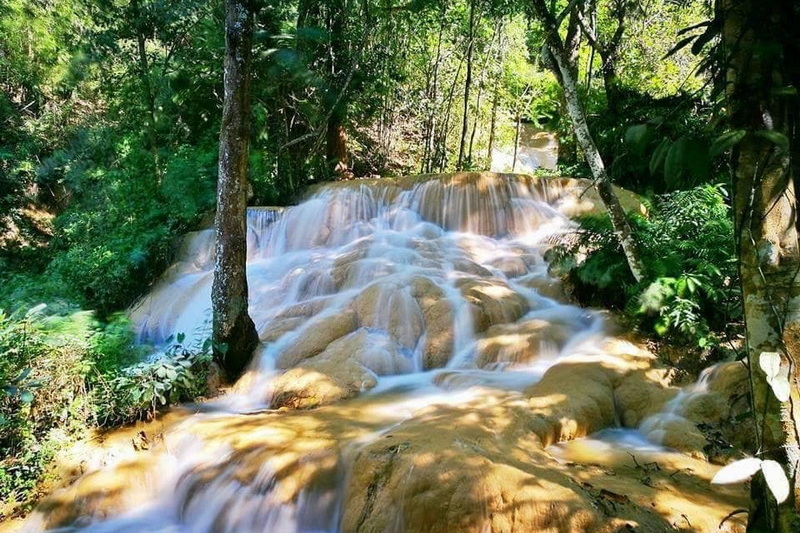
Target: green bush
x=64 y=373
x=120 y=229
x=690 y=289
x=136 y=392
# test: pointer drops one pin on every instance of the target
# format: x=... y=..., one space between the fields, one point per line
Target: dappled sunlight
x=418 y=372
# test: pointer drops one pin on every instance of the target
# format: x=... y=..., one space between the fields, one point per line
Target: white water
x=317 y=261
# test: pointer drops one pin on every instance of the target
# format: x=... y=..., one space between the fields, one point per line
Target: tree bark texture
x=339 y=66
x=467 y=86
x=234 y=334
x=147 y=87
x=754 y=40
x=561 y=60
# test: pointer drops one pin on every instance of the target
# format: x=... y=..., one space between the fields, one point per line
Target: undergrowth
x=689 y=295
x=64 y=374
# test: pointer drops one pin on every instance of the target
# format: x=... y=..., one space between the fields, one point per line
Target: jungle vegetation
x=111 y=113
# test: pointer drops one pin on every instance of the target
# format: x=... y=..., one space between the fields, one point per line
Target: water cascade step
x=416 y=361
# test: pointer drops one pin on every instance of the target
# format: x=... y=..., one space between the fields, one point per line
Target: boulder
x=278 y=328
x=545 y=286
x=389 y=306
x=560 y=416
x=706 y=408
x=675 y=432
x=306 y=388
x=520 y=343
x=641 y=394
x=510 y=266
x=348 y=366
x=316 y=335
x=493 y=302
x=438 y=316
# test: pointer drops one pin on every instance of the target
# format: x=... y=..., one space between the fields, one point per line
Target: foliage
x=63 y=373
x=136 y=392
x=690 y=291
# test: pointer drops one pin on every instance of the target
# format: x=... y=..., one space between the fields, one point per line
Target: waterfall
x=381 y=307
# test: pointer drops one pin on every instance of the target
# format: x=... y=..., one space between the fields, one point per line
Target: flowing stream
x=379 y=305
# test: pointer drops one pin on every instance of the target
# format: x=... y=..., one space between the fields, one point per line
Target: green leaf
x=778 y=139
x=726 y=141
x=711 y=31
x=635 y=135
x=673 y=164
x=683 y=43
x=180 y=338
x=26 y=397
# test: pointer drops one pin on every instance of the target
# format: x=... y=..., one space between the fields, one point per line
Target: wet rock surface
x=419 y=373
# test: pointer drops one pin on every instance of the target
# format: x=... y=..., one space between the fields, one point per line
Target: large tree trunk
x=339 y=67
x=755 y=35
x=234 y=335
x=619 y=221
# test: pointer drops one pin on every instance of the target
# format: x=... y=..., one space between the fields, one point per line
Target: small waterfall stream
x=379 y=306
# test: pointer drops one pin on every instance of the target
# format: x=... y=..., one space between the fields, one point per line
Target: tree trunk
x=432 y=94
x=339 y=66
x=765 y=203
x=467 y=86
x=516 y=141
x=493 y=123
x=619 y=221
x=147 y=88
x=234 y=335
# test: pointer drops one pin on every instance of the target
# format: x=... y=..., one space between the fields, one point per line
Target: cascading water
x=382 y=309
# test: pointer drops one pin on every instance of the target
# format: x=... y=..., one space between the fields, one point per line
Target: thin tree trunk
x=234 y=334
x=147 y=88
x=493 y=122
x=467 y=86
x=619 y=221
x=496 y=96
x=516 y=142
x=481 y=86
x=432 y=95
x=441 y=149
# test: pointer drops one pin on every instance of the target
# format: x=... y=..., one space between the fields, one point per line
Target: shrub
x=686 y=243
x=136 y=392
x=63 y=373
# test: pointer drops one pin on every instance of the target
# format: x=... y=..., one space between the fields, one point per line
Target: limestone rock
x=708 y=408
x=510 y=266
x=493 y=302
x=438 y=316
x=346 y=367
x=676 y=432
x=521 y=342
x=545 y=286
x=389 y=306
x=316 y=336
x=729 y=379
x=560 y=415
x=642 y=394
x=280 y=327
